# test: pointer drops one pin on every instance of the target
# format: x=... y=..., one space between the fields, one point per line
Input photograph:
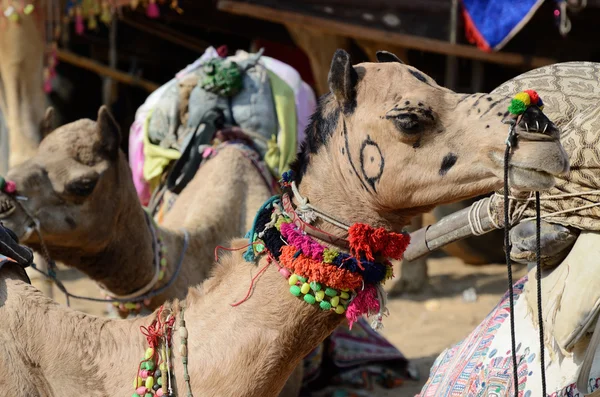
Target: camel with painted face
x=387 y=143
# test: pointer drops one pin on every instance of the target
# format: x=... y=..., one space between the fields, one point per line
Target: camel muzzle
x=533 y=125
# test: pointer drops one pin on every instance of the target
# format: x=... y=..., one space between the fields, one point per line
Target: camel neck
x=259 y=340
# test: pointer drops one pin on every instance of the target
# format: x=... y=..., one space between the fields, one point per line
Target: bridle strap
x=308 y=228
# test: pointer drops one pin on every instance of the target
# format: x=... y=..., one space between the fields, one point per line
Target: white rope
x=557 y=196
x=305 y=208
x=474 y=220
x=583 y=207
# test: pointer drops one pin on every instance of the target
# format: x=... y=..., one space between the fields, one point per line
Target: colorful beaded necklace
x=155 y=375
x=349 y=283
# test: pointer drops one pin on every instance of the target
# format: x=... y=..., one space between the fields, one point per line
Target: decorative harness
x=349 y=283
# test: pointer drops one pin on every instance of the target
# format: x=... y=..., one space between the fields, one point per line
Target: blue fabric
x=497 y=20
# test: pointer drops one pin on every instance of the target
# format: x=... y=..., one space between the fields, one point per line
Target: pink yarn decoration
x=208 y=152
x=309 y=247
x=79 y=27
x=48 y=86
x=365 y=302
x=152 y=11
x=10 y=187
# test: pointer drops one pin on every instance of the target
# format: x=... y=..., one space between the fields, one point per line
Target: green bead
x=330 y=292
x=149 y=365
x=129 y=305
x=295 y=290
x=325 y=305
x=159 y=381
x=309 y=299
x=163 y=261
x=315 y=286
x=302 y=279
x=135 y=395
x=148 y=395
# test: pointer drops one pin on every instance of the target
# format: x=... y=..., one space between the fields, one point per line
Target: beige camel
x=90 y=217
x=388 y=143
x=22 y=98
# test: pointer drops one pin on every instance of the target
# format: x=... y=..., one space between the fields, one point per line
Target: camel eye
x=407 y=123
x=81 y=187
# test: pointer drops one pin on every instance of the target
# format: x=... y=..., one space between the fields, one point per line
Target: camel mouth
x=7 y=208
x=528 y=179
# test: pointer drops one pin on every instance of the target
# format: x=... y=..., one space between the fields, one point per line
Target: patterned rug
x=352 y=363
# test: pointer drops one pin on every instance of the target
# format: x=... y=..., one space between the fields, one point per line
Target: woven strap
x=309 y=229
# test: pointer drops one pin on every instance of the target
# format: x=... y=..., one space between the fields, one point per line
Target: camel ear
x=342 y=80
x=108 y=133
x=48 y=122
x=385 y=56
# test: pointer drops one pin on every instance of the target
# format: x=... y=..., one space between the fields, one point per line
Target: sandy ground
x=420 y=325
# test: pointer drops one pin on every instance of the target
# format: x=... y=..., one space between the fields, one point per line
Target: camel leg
x=21 y=82
x=413 y=274
x=294 y=383
x=319 y=48
x=3 y=145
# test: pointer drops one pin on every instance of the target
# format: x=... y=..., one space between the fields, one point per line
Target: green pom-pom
x=309 y=299
x=325 y=305
x=295 y=290
x=222 y=77
x=315 y=286
x=517 y=107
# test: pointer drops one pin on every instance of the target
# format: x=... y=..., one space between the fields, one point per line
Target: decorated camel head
x=387 y=143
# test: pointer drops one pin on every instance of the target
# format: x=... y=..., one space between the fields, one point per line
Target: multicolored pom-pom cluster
x=523 y=100
x=348 y=283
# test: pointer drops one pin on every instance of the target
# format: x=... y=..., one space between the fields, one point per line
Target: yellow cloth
x=156 y=158
x=281 y=150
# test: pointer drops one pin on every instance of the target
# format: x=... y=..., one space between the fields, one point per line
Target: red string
x=220 y=247
x=252 y=285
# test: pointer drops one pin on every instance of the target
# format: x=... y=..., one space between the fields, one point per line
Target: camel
x=91 y=219
x=385 y=145
x=22 y=98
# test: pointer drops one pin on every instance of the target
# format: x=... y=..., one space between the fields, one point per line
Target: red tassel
x=153 y=11
x=367 y=241
x=79 y=27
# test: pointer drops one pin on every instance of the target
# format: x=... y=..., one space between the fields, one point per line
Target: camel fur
x=386 y=144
